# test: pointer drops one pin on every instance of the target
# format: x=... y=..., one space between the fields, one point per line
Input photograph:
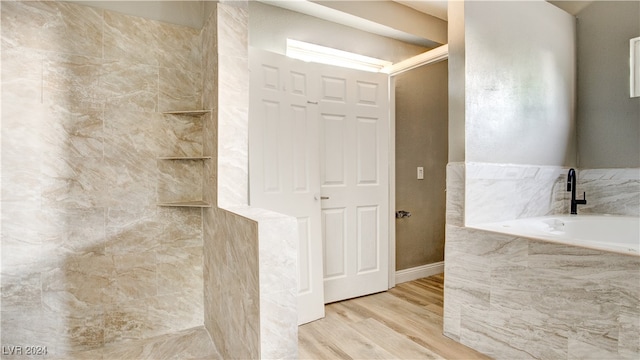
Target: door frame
x=429 y=57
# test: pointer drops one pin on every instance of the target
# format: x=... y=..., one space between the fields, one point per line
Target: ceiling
x=389 y=24
x=437 y=8
x=418 y=22
x=571 y=6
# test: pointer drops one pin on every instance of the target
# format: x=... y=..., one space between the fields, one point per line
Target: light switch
x=420 y=173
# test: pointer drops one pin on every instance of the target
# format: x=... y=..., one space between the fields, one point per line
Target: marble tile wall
x=455 y=187
x=255 y=250
x=498 y=192
x=512 y=297
x=278 y=254
x=190 y=344
x=88 y=259
x=250 y=271
x=232 y=293
x=233 y=96
x=610 y=191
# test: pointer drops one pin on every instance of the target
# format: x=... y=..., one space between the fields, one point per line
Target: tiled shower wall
x=87 y=257
x=252 y=249
x=231 y=251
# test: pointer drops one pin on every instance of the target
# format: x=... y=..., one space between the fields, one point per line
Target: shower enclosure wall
x=88 y=258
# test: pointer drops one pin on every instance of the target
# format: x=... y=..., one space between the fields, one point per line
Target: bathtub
x=619 y=234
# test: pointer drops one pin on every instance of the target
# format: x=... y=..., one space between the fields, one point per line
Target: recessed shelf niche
x=184 y=157
x=180 y=158
x=195 y=204
x=187 y=112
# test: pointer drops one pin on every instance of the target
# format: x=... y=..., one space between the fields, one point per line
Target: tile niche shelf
x=187 y=112
x=194 y=203
x=187 y=203
x=184 y=157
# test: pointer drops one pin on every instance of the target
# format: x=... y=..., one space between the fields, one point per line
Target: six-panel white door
x=283 y=158
x=354 y=175
x=320 y=131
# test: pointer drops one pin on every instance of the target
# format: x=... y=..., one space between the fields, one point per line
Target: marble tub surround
x=88 y=259
x=610 y=191
x=498 y=192
x=512 y=297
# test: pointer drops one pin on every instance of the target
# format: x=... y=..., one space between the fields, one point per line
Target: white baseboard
x=419 y=272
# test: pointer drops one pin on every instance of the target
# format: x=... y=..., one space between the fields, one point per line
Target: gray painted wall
x=519 y=63
x=608 y=119
x=421 y=140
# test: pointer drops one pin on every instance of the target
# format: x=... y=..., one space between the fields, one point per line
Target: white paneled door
x=354 y=147
x=318 y=150
x=283 y=158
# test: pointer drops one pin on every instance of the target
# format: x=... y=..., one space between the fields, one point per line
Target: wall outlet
x=420 y=173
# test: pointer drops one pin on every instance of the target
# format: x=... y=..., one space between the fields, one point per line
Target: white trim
x=429 y=57
x=432 y=56
x=419 y=272
x=392 y=182
x=325 y=55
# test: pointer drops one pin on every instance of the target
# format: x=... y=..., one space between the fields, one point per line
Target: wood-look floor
x=402 y=323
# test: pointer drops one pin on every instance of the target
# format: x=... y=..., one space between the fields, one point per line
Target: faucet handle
x=584 y=199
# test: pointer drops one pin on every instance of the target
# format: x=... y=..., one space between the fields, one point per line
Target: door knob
x=318 y=197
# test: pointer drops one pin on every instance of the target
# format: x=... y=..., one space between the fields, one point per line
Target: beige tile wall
x=232 y=294
x=250 y=271
x=88 y=258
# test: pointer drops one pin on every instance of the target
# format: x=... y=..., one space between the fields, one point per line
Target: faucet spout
x=571 y=186
x=571 y=180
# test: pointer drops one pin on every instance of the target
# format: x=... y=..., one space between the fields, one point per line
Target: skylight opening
x=321 y=54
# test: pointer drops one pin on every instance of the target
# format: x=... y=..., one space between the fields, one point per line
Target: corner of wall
x=252 y=249
x=456 y=28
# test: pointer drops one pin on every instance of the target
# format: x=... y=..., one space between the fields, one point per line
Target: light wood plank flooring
x=402 y=323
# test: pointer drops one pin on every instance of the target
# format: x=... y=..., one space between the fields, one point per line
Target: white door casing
x=323 y=131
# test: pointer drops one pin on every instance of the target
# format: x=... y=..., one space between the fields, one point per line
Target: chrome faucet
x=571 y=186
